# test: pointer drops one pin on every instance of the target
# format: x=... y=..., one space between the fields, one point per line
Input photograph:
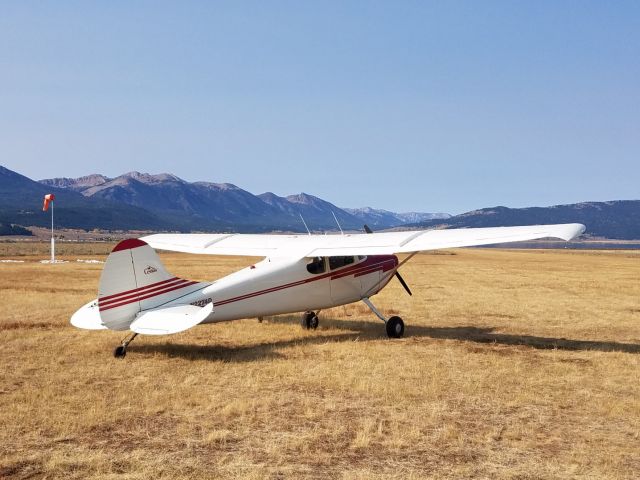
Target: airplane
x=298 y=273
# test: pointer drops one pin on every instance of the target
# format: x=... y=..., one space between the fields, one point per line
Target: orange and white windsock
x=48 y=198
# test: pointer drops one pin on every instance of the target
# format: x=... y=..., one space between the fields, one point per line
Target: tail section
x=134 y=280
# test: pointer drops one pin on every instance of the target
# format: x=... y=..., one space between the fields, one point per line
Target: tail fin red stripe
x=144 y=291
x=144 y=296
x=108 y=297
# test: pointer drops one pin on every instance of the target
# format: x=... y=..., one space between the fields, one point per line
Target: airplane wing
x=383 y=243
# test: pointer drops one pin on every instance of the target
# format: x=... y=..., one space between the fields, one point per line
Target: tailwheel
x=309 y=320
x=120 y=351
x=395 y=327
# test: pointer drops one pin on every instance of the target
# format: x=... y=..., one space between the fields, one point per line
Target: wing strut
x=305 y=225
x=398 y=276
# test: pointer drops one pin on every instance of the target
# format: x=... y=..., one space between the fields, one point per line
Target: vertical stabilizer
x=134 y=280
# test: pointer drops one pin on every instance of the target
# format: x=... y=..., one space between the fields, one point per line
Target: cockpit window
x=316 y=265
x=337 y=262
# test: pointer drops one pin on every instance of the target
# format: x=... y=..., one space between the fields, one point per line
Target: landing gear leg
x=121 y=350
x=395 y=325
x=309 y=320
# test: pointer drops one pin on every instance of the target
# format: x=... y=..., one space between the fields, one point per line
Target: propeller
x=398 y=276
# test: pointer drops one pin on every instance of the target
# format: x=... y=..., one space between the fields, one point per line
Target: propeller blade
x=403 y=283
x=398 y=276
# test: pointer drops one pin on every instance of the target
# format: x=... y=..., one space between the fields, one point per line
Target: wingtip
x=576 y=229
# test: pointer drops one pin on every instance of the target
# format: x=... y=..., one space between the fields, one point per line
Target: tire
x=395 y=327
x=120 y=351
x=314 y=322
x=306 y=320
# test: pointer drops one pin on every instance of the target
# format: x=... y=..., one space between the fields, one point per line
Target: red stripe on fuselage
x=370 y=265
x=365 y=268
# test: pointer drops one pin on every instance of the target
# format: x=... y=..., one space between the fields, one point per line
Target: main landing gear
x=394 y=325
x=121 y=350
x=309 y=320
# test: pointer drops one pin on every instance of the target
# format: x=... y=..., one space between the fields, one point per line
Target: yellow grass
x=514 y=365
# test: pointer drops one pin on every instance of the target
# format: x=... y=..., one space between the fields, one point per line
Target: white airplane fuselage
x=278 y=286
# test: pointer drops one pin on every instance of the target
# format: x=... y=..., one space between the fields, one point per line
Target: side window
x=337 y=262
x=316 y=265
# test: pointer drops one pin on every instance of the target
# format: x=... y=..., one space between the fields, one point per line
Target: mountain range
x=21 y=204
x=618 y=219
x=164 y=202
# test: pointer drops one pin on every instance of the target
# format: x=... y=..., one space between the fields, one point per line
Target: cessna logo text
x=149 y=270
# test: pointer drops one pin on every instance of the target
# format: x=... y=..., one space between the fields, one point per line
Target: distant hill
x=221 y=206
x=377 y=218
x=142 y=201
x=209 y=205
x=164 y=202
x=77 y=184
x=199 y=205
x=314 y=210
x=618 y=219
x=10 y=229
x=21 y=204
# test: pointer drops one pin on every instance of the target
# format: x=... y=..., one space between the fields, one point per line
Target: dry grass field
x=515 y=364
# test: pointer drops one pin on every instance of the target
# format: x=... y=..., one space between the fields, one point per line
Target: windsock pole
x=48 y=201
x=53 y=241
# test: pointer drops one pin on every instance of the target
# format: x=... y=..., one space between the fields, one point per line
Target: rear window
x=316 y=265
x=337 y=262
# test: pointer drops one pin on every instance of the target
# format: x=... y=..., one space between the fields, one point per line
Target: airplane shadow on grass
x=487 y=335
x=237 y=354
x=367 y=330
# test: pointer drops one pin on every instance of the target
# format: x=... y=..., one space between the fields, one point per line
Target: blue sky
x=428 y=106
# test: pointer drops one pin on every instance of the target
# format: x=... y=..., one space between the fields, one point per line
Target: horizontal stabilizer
x=88 y=317
x=164 y=321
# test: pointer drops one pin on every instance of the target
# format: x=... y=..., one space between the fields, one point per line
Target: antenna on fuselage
x=336 y=219
x=305 y=224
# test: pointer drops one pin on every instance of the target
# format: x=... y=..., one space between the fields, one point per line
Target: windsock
x=48 y=198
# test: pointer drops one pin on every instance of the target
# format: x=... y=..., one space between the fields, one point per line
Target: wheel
x=395 y=327
x=309 y=320
x=305 y=321
x=120 y=351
